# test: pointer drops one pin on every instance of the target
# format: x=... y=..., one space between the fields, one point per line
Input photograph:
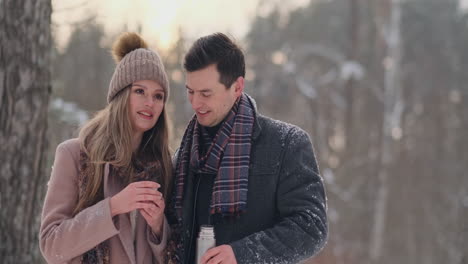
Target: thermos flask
x=206 y=240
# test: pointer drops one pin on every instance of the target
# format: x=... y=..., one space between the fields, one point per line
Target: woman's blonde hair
x=107 y=138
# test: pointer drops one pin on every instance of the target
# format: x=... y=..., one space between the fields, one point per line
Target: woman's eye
x=139 y=91
x=159 y=96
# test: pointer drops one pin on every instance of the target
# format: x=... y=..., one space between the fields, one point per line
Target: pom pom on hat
x=126 y=43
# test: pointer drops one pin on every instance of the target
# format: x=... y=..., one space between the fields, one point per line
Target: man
x=253 y=178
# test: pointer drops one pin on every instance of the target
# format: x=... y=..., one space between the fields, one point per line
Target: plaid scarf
x=227 y=155
x=100 y=254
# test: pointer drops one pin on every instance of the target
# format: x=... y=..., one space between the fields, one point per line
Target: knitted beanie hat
x=135 y=62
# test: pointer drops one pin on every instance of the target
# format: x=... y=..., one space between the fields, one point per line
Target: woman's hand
x=137 y=195
x=154 y=215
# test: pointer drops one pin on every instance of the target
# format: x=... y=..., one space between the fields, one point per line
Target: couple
x=116 y=196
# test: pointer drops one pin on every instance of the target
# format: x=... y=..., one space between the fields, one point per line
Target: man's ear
x=239 y=86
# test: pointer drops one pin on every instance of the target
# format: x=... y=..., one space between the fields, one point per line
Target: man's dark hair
x=216 y=49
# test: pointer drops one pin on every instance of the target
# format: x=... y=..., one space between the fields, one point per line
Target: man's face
x=210 y=99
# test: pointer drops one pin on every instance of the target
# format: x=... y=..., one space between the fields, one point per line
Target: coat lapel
x=112 y=186
x=141 y=244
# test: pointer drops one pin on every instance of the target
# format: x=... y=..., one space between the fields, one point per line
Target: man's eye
x=206 y=94
x=190 y=91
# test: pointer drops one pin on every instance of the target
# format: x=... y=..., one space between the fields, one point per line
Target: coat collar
x=257 y=128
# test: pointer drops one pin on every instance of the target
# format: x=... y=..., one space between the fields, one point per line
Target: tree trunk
x=391 y=120
x=352 y=55
x=25 y=45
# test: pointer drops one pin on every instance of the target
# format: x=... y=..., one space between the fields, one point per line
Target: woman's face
x=146 y=103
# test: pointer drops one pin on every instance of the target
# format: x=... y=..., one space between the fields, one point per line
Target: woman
x=105 y=198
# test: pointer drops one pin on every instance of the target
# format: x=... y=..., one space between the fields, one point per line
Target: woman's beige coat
x=64 y=238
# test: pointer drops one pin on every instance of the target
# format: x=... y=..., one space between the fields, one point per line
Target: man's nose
x=196 y=102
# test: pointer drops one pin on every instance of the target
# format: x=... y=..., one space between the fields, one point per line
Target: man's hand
x=221 y=254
